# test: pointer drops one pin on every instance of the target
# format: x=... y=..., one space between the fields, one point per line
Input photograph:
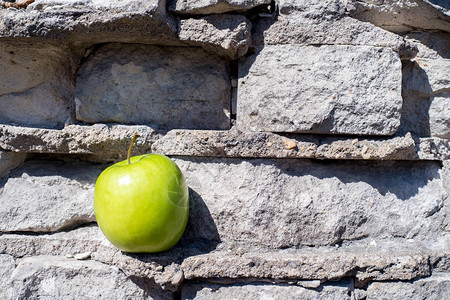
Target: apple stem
x=136 y=135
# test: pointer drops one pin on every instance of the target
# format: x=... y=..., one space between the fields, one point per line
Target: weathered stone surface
x=107 y=141
x=237 y=261
x=8 y=265
x=48 y=196
x=244 y=144
x=199 y=291
x=289 y=203
x=314 y=27
x=425 y=77
x=10 y=160
x=36 y=84
x=402 y=16
x=431 y=148
x=323 y=9
x=46 y=277
x=308 y=264
x=433 y=288
x=92 y=21
x=203 y=7
x=325 y=89
x=431 y=45
x=227 y=35
x=440 y=116
x=169 y=87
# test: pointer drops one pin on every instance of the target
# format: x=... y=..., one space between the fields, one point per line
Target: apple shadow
x=201 y=234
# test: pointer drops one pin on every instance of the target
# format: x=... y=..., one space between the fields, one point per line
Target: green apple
x=142 y=204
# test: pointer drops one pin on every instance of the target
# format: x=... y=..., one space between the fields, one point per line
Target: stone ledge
x=111 y=141
x=233 y=263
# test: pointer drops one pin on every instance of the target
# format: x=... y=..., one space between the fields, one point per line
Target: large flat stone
x=48 y=196
x=404 y=15
x=227 y=35
x=324 y=23
x=53 y=277
x=204 y=7
x=289 y=203
x=320 y=89
x=36 y=84
x=435 y=287
x=204 y=291
x=92 y=21
x=168 y=87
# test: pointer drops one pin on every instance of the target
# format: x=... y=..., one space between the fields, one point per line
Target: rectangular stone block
x=166 y=87
x=205 y=291
x=320 y=89
x=435 y=287
x=36 y=84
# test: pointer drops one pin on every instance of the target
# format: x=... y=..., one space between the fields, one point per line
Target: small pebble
x=69 y=256
x=82 y=256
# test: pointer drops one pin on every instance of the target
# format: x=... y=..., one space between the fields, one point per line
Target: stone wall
x=313 y=134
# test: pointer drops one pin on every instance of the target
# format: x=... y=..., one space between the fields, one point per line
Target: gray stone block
x=204 y=7
x=291 y=203
x=402 y=16
x=227 y=35
x=36 y=84
x=167 y=87
x=320 y=89
x=92 y=22
x=262 y=291
x=325 y=25
x=48 y=196
x=436 y=287
x=52 y=277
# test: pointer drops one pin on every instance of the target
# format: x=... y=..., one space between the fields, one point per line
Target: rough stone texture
x=270 y=145
x=440 y=116
x=35 y=77
x=431 y=45
x=50 y=277
x=8 y=265
x=317 y=264
x=325 y=89
x=107 y=141
x=10 y=160
x=435 y=287
x=92 y=21
x=426 y=87
x=169 y=87
x=402 y=16
x=314 y=27
x=227 y=35
x=204 y=7
x=48 y=196
x=427 y=76
x=263 y=291
x=381 y=262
